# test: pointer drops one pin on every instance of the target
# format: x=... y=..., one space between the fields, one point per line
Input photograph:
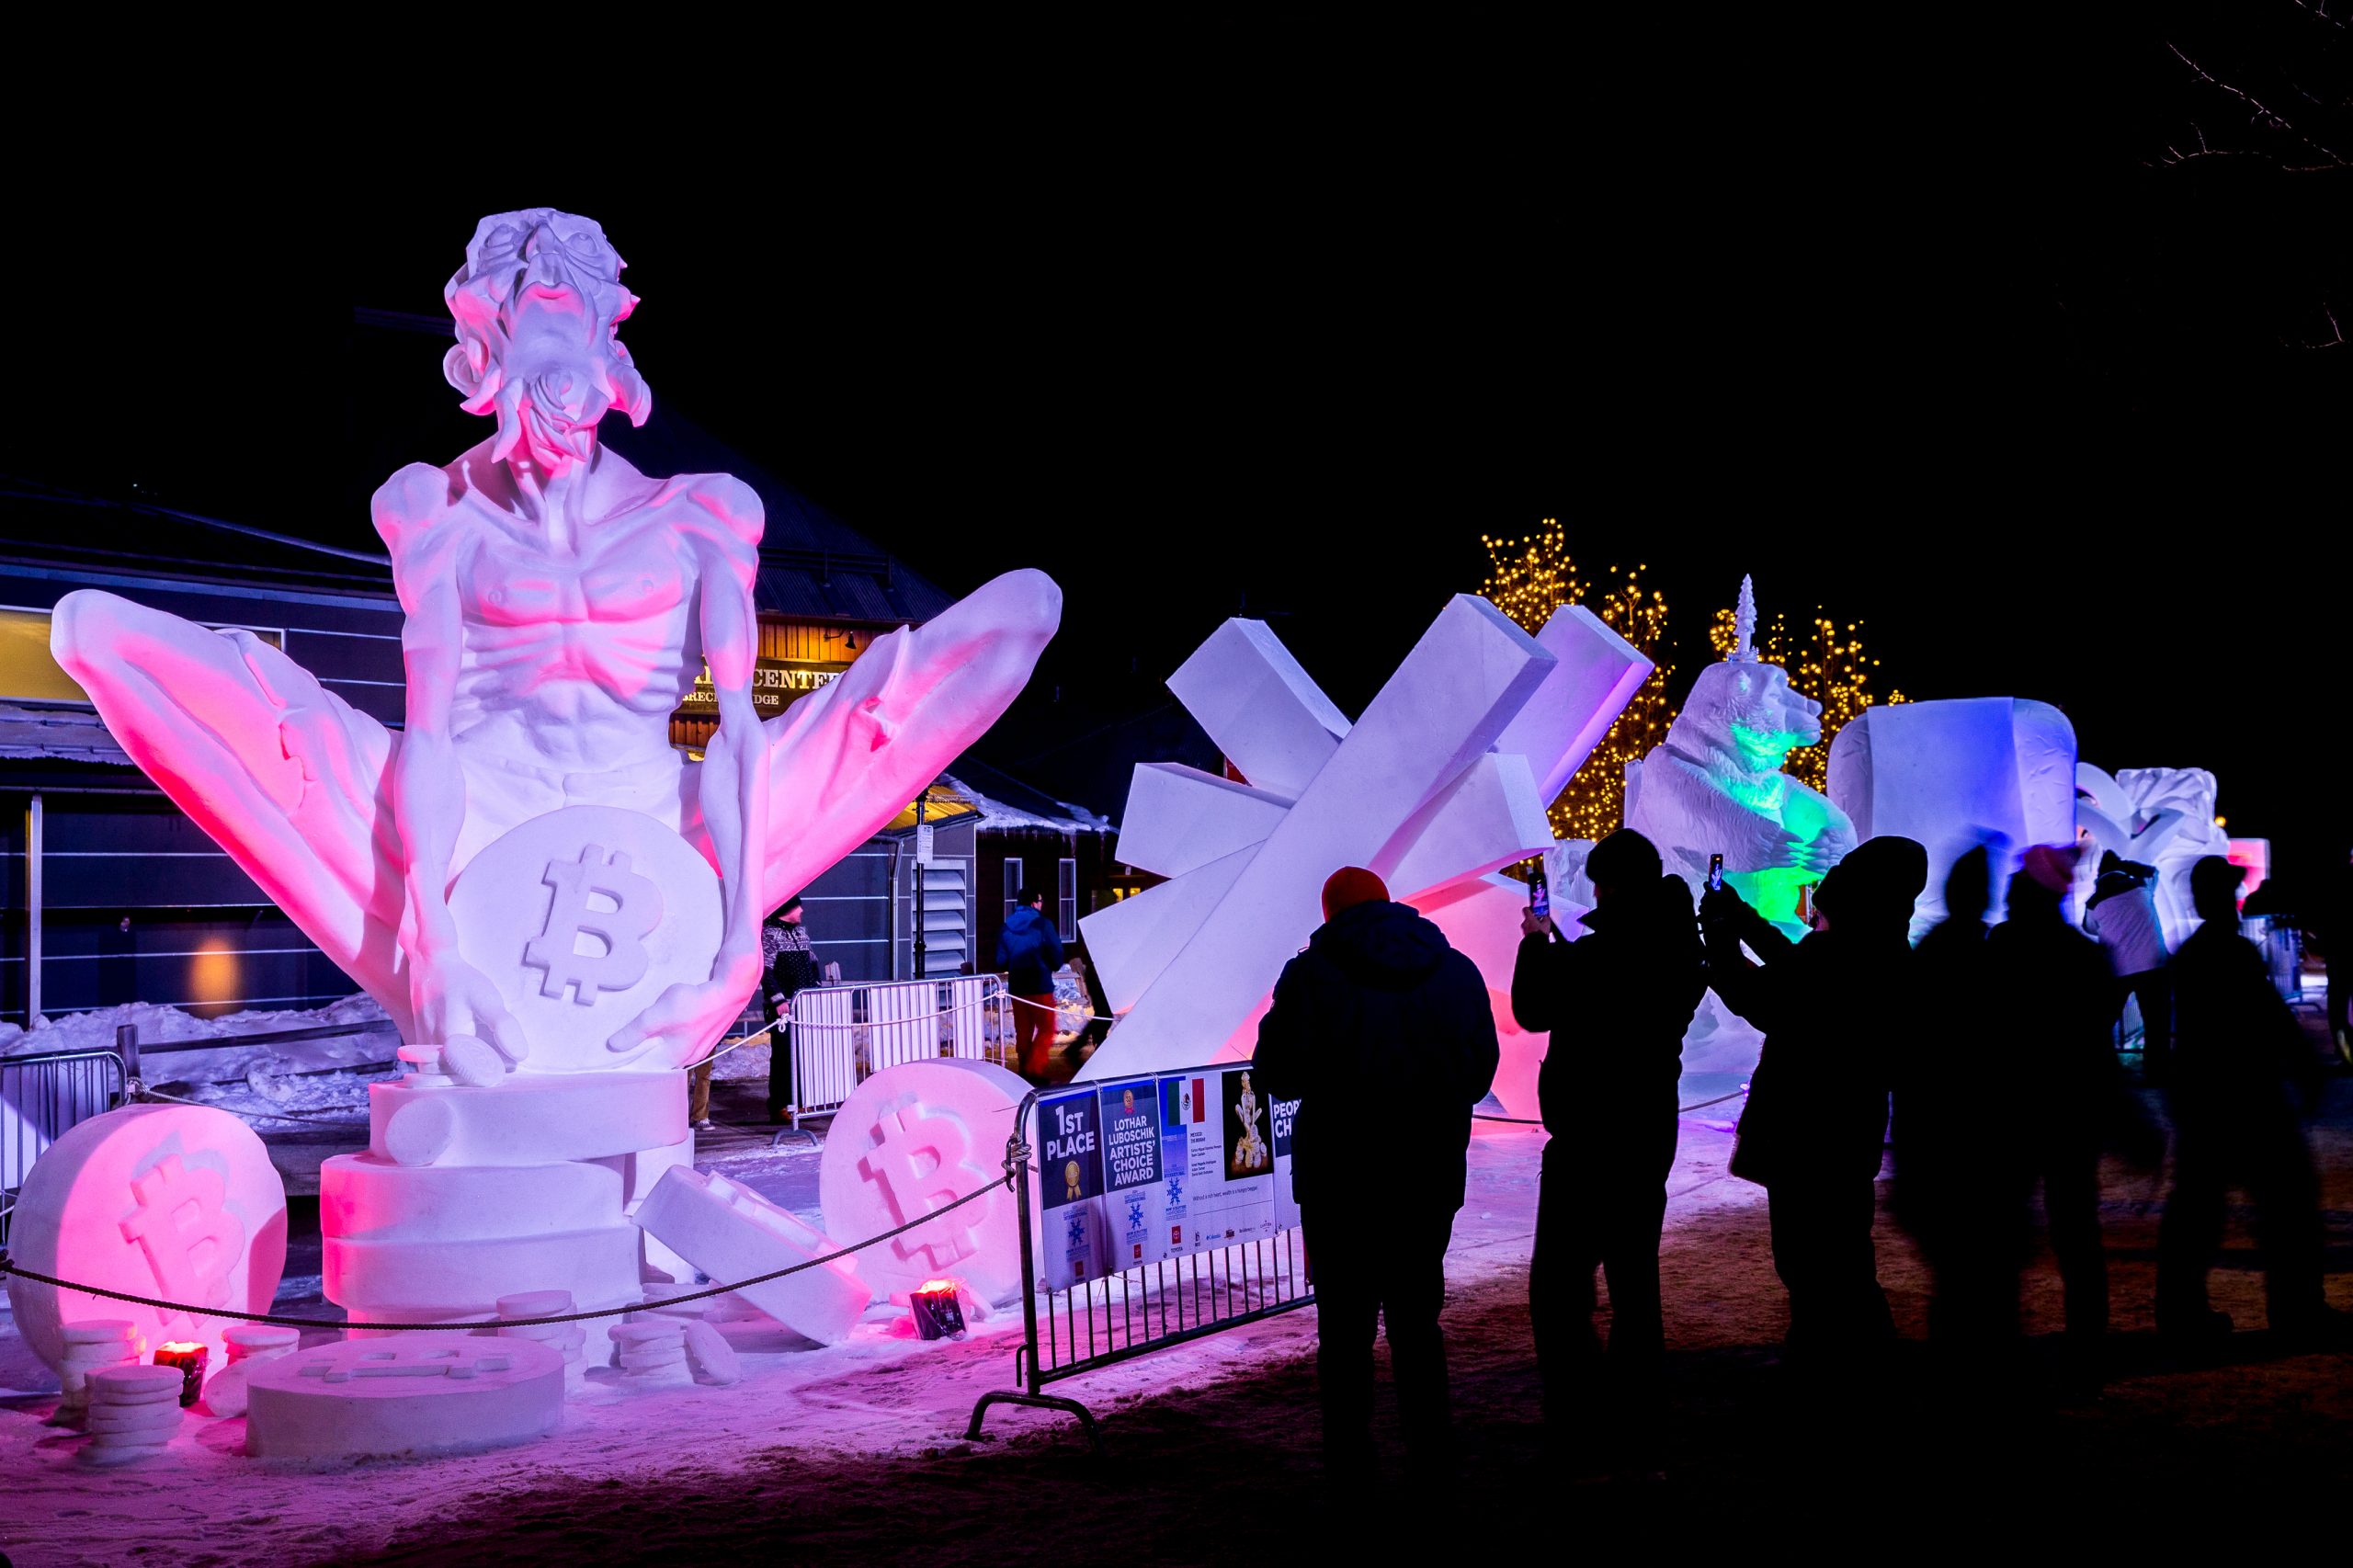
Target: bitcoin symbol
x=917 y=1163
x=637 y=908
x=191 y=1241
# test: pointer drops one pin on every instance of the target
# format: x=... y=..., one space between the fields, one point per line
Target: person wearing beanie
x=1617 y=1002
x=1383 y=1035
x=2049 y=1049
x=2239 y=1062
x=1813 y=1132
x=1028 y=951
x=788 y=964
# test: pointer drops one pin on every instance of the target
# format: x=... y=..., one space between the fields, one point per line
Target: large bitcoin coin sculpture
x=179 y=1203
x=581 y=918
x=909 y=1140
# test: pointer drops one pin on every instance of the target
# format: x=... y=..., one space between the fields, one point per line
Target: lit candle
x=935 y=1311
x=189 y=1358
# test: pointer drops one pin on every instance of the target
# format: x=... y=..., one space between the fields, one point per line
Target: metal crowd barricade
x=1084 y=1327
x=43 y=1097
x=843 y=1034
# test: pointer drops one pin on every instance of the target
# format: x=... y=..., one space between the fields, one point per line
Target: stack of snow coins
x=249 y=1345
x=710 y=1358
x=568 y=1340
x=652 y=1349
x=134 y=1410
x=90 y=1343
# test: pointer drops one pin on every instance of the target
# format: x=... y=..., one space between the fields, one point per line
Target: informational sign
x=1229 y=1159
x=777 y=684
x=1070 y=1169
x=1134 y=1185
x=1283 y=1113
x=924 y=831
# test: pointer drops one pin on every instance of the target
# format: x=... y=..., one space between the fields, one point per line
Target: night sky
x=1927 y=328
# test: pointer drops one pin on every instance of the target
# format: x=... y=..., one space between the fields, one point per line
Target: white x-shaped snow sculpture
x=1445 y=777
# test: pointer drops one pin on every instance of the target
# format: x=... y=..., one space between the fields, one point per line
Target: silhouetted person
x=2123 y=912
x=1384 y=1035
x=2239 y=1059
x=1028 y=950
x=2050 y=991
x=2336 y=934
x=1833 y=1007
x=1962 y=1162
x=1617 y=1003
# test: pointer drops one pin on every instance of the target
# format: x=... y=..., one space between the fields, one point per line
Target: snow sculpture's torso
x=2173 y=828
x=1715 y=788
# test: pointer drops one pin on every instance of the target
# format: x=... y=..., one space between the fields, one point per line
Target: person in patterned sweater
x=788 y=963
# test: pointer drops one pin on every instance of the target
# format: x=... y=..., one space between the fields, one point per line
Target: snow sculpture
x=1481 y=918
x=2173 y=828
x=731 y=1232
x=411 y=1394
x=175 y=1202
x=553 y=905
x=913 y=1138
x=134 y=1414
x=1957 y=773
x=1444 y=779
x=1715 y=785
x=90 y=1343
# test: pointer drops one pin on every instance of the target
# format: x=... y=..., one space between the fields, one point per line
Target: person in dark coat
x=1961 y=1166
x=2239 y=1059
x=2055 y=1058
x=1384 y=1036
x=1617 y=1003
x=1834 y=1007
x=788 y=964
x=1028 y=950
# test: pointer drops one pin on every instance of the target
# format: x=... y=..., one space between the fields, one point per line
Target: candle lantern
x=189 y=1356
x=936 y=1309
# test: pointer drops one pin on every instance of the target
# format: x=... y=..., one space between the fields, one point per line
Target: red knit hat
x=1349 y=886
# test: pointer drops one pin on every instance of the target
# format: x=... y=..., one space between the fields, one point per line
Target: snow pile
x=304 y=1078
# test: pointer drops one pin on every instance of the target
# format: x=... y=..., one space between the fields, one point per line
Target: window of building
x=1012 y=884
x=1066 y=897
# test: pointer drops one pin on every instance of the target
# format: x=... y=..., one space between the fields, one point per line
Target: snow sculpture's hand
x=451 y=997
x=685 y=1021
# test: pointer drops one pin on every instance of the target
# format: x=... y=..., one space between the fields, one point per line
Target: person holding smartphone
x=1617 y=1002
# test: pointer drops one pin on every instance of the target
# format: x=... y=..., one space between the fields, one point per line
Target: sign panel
x=777 y=684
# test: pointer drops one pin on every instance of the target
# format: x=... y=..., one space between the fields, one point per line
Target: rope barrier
x=1538 y=1121
x=9 y=1266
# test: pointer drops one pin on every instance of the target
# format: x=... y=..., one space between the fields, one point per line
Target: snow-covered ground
x=880 y=1392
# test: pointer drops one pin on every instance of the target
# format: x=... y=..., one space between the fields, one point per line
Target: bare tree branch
x=2270 y=117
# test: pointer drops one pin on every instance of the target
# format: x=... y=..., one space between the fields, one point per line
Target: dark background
x=1922 y=320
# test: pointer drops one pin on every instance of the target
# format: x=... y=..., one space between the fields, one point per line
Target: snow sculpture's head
x=539 y=306
x=1749 y=712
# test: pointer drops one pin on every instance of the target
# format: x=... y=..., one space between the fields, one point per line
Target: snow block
x=731 y=1233
x=529 y=1119
x=1950 y=773
x=1179 y=818
x=364 y=1197
x=1594 y=675
x=439 y=1278
x=1272 y=721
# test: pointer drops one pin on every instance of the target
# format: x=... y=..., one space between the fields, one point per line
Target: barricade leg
x=1036 y=1401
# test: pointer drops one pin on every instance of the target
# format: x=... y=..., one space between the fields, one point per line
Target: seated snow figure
x=1716 y=787
x=560 y=606
x=1249 y=1150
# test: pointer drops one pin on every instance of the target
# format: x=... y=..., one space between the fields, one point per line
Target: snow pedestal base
x=470 y=1194
x=422 y=1393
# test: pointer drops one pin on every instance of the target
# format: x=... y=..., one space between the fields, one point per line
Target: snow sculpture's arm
x=446 y=996
x=1820 y=833
x=848 y=757
x=733 y=796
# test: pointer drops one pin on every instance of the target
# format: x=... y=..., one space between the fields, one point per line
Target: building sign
x=777 y=684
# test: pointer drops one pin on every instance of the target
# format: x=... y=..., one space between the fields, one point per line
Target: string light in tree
x=1528 y=579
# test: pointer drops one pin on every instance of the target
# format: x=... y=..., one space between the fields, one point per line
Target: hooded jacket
x=1617 y=1003
x=1028 y=950
x=1384 y=1035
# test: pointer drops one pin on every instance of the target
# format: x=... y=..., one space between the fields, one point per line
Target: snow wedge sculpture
x=1443 y=780
x=1715 y=785
x=557 y=908
x=1957 y=773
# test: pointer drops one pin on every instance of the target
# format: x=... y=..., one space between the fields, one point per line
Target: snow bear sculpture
x=1716 y=787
